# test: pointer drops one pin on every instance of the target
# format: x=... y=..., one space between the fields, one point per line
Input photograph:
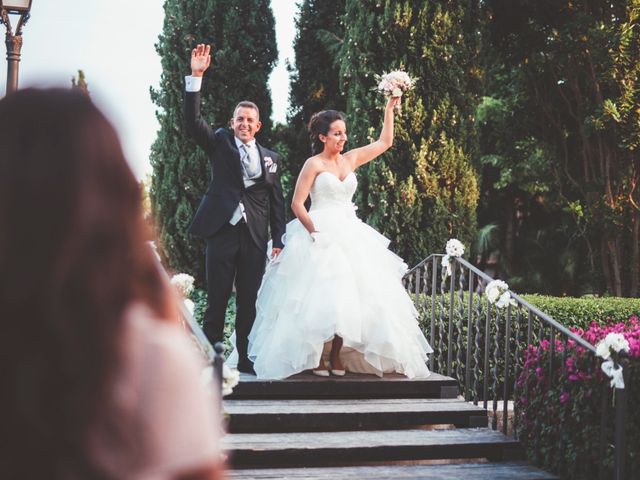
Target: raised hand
x=393 y=102
x=200 y=59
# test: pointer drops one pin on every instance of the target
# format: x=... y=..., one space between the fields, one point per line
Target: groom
x=243 y=199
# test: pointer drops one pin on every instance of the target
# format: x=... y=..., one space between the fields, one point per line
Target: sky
x=112 y=41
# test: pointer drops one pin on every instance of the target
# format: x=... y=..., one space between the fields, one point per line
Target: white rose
x=602 y=350
x=617 y=342
x=504 y=300
x=396 y=92
x=183 y=282
x=492 y=294
x=454 y=248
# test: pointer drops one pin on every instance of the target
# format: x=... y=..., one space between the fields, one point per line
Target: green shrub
x=580 y=312
x=199 y=298
x=570 y=312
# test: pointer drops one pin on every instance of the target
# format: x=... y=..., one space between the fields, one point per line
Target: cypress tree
x=243 y=46
x=80 y=83
x=315 y=79
x=424 y=190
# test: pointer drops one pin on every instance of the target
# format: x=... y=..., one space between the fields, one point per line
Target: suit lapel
x=235 y=153
x=261 y=153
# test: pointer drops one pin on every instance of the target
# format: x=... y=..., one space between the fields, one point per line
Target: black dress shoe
x=246 y=367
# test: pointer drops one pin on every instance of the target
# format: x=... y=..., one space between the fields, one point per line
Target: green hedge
x=199 y=298
x=580 y=312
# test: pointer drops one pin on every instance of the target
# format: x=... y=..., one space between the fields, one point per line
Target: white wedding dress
x=348 y=284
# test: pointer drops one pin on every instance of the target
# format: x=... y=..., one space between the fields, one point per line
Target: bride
x=333 y=300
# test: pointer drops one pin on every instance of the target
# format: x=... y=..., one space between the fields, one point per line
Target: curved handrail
x=503 y=361
x=539 y=313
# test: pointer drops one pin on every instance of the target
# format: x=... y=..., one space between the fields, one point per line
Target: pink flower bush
x=559 y=402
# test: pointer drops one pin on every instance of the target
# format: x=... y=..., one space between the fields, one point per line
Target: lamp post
x=14 y=41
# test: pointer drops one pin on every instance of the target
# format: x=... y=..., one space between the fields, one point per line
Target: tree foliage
x=424 y=190
x=80 y=83
x=242 y=36
x=566 y=73
x=315 y=79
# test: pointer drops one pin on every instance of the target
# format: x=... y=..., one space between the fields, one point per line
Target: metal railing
x=484 y=348
x=213 y=354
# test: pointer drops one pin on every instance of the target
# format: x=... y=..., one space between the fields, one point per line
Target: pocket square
x=273 y=168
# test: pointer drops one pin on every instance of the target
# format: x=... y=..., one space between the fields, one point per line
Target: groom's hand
x=275 y=252
x=200 y=59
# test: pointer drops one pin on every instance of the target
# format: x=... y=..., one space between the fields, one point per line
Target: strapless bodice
x=328 y=191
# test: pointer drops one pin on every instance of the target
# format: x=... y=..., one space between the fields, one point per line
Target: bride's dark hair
x=319 y=125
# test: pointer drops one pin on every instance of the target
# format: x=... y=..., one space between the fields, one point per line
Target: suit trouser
x=232 y=253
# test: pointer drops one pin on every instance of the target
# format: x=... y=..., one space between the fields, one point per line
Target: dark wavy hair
x=319 y=125
x=73 y=257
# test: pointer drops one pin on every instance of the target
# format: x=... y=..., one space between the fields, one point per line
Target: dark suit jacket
x=263 y=202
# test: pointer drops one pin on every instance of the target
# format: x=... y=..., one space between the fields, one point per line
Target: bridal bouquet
x=395 y=83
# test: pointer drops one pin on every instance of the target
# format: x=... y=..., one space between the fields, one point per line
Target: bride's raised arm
x=360 y=156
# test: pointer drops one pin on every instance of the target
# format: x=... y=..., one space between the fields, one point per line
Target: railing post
x=452 y=301
x=434 y=291
x=621 y=414
x=218 y=361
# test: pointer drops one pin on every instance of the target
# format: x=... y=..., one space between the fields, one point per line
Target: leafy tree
x=244 y=52
x=573 y=66
x=424 y=190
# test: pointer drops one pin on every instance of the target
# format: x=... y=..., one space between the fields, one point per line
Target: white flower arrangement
x=230 y=378
x=497 y=292
x=607 y=349
x=183 y=283
x=454 y=248
x=395 y=83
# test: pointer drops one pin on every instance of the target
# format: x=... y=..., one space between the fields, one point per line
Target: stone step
x=475 y=471
x=306 y=386
x=268 y=416
x=252 y=450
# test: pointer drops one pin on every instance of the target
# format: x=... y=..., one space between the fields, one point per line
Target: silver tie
x=251 y=167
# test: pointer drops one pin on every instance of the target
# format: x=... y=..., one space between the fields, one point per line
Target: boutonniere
x=270 y=165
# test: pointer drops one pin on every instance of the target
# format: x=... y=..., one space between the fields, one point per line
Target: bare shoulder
x=313 y=165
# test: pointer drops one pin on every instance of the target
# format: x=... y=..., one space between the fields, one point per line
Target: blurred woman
x=98 y=381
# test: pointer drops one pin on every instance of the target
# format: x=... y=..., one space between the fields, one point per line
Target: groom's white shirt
x=194 y=84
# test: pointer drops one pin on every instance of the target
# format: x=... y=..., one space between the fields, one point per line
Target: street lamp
x=13 y=41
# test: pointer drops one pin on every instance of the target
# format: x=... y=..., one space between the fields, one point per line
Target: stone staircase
x=361 y=426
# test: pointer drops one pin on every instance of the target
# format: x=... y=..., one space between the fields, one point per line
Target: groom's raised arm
x=196 y=127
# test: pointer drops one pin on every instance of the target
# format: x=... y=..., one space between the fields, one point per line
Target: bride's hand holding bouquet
x=394 y=85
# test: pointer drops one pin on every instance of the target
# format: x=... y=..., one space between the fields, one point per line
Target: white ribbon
x=446 y=266
x=614 y=372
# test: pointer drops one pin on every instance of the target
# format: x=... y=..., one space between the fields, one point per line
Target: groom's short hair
x=246 y=104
